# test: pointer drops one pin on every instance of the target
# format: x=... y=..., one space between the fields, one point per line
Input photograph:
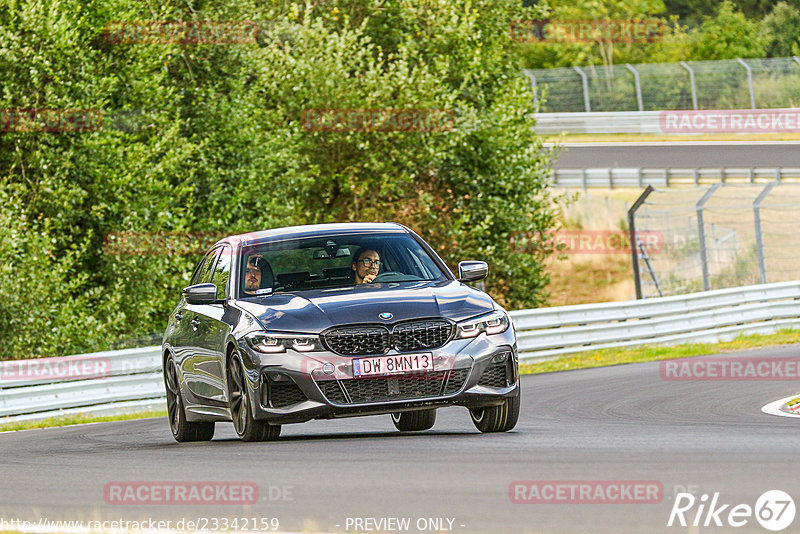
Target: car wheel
x=247 y=428
x=182 y=430
x=500 y=418
x=414 y=421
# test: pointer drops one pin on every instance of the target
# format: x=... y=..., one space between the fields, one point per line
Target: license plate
x=389 y=365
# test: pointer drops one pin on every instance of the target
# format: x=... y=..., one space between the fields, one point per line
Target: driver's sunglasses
x=366 y=262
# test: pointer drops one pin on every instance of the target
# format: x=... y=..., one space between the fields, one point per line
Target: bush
x=212 y=138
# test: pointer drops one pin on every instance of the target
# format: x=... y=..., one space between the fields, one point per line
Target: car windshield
x=331 y=262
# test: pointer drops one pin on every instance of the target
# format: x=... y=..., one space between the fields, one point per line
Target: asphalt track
x=623 y=423
x=680 y=154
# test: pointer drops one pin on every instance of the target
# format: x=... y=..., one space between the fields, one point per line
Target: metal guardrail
x=709 y=316
x=657 y=177
x=135 y=381
x=679 y=123
x=123 y=380
x=599 y=122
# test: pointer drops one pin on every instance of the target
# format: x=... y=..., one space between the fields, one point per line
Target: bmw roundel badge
x=385 y=316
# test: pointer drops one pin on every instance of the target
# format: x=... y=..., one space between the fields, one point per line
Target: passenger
x=366 y=265
x=254 y=274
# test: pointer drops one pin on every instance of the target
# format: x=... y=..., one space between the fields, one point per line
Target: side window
x=208 y=265
x=222 y=272
x=197 y=272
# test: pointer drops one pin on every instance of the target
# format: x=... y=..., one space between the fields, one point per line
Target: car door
x=200 y=382
x=179 y=333
x=213 y=326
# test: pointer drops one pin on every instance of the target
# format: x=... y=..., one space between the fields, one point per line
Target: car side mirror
x=470 y=271
x=201 y=294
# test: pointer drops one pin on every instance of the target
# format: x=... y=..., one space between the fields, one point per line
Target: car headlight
x=271 y=343
x=495 y=322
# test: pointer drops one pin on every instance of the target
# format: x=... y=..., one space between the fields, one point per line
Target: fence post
x=638 y=85
x=762 y=264
x=530 y=75
x=701 y=233
x=637 y=281
x=691 y=81
x=749 y=82
x=585 y=80
x=796 y=59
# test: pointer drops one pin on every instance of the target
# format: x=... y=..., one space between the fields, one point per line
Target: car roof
x=314 y=230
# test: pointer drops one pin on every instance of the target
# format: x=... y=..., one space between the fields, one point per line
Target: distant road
x=684 y=154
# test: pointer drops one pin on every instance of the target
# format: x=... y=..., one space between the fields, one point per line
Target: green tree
x=728 y=35
x=212 y=138
x=781 y=30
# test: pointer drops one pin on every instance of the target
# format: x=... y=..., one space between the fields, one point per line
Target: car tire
x=414 y=421
x=247 y=428
x=500 y=418
x=182 y=430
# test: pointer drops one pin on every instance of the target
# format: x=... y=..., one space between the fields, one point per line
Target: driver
x=254 y=273
x=366 y=265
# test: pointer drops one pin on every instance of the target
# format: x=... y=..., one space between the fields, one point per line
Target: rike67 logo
x=774 y=510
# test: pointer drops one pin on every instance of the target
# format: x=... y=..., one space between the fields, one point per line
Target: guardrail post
x=696 y=173
x=691 y=82
x=637 y=281
x=762 y=264
x=701 y=233
x=778 y=174
x=749 y=82
x=637 y=84
x=587 y=104
x=530 y=75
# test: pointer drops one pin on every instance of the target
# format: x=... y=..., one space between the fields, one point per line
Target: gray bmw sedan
x=336 y=320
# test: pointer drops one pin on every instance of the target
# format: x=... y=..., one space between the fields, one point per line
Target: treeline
x=691 y=30
x=201 y=137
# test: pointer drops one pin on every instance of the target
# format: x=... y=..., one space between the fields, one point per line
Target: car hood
x=315 y=310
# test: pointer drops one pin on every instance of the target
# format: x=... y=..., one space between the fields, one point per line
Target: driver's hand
x=369 y=278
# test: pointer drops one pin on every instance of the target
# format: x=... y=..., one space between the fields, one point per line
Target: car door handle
x=179 y=316
x=195 y=323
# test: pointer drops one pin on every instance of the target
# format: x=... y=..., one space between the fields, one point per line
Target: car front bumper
x=295 y=387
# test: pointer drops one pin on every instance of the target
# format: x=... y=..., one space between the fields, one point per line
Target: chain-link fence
x=728 y=84
x=715 y=237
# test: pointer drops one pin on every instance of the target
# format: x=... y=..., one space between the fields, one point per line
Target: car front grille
x=410 y=336
x=421 y=335
x=405 y=387
x=357 y=340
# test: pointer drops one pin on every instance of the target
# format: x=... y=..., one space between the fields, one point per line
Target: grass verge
x=649 y=353
x=79 y=420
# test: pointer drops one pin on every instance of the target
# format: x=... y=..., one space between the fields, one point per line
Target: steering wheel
x=381 y=277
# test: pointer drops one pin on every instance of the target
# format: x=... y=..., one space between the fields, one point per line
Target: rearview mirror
x=470 y=271
x=201 y=294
